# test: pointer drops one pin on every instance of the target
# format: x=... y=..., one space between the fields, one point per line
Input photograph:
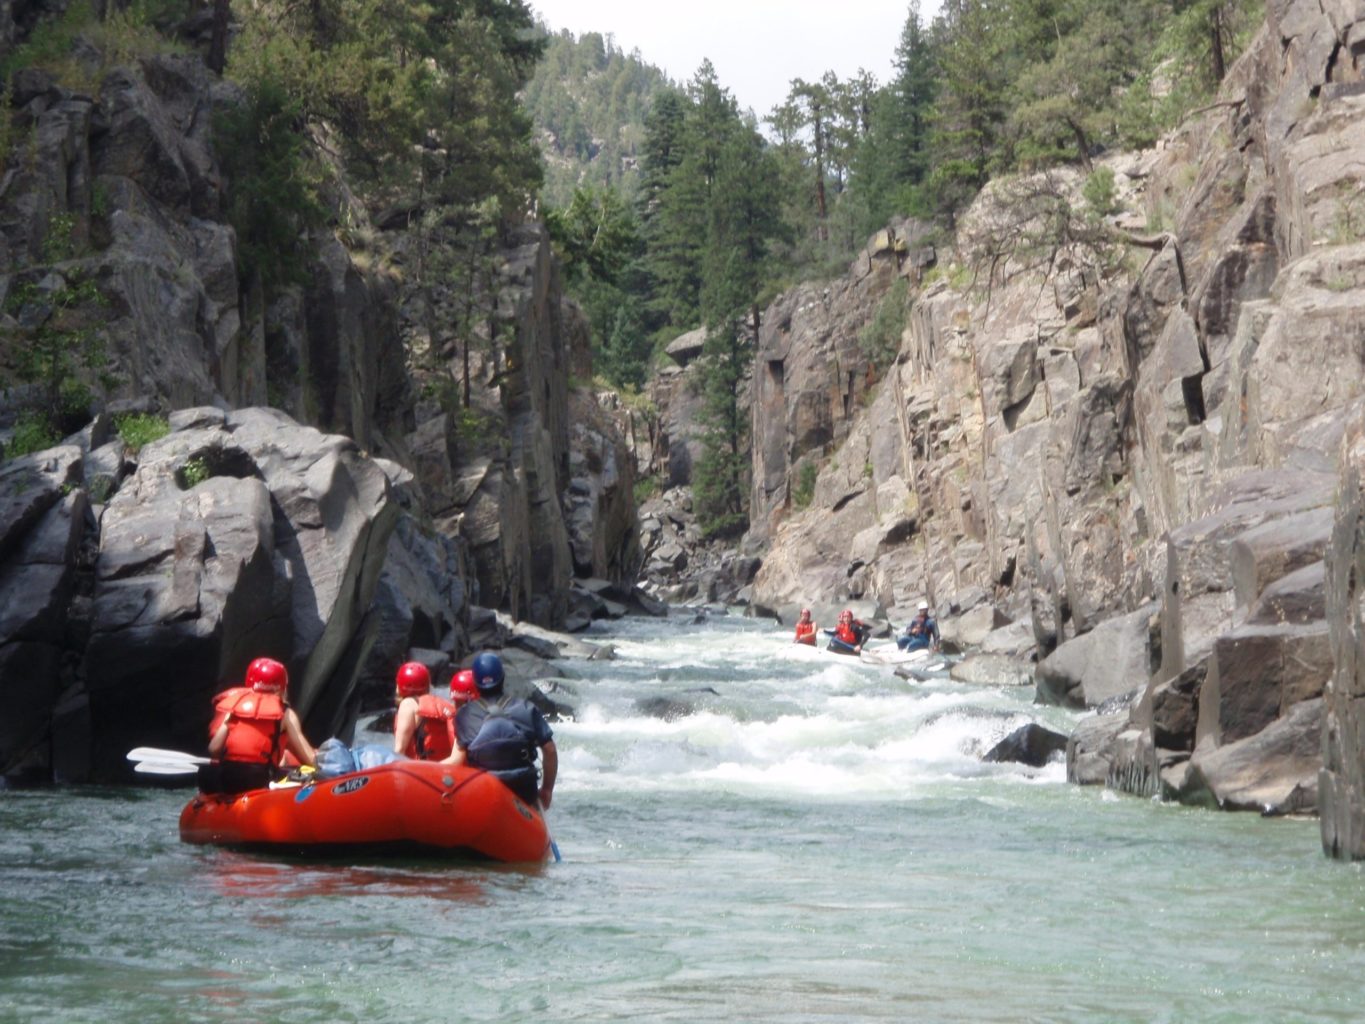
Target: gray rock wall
x=1073 y=441
x=811 y=375
x=534 y=477
x=1341 y=787
x=236 y=536
x=123 y=190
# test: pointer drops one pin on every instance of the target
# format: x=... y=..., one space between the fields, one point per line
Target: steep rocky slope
x=1128 y=451
x=124 y=578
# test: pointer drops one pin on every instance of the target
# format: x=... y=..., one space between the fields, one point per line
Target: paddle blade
x=156 y=754
x=165 y=768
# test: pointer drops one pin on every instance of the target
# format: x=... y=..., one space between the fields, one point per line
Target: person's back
x=253 y=722
x=502 y=735
x=252 y=729
x=497 y=735
x=422 y=726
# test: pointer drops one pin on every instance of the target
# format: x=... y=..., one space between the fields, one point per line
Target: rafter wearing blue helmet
x=501 y=735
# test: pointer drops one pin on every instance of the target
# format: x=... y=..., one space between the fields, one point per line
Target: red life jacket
x=805 y=633
x=256 y=732
x=222 y=704
x=434 y=737
x=847 y=634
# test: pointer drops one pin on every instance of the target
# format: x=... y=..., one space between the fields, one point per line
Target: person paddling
x=423 y=725
x=252 y=728
x=848 y=635
x=805 y=629
x=501 y=735
x=922 y=632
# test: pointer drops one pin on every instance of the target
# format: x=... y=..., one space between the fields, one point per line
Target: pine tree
x=625 y=354
x=669 y=248
x=598 y=241
x=971 y=107
x=912 y=97
x=743 y=223
x=1068 y=101
x=813 y=99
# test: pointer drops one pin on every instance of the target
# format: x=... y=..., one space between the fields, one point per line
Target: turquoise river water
x=818 y=841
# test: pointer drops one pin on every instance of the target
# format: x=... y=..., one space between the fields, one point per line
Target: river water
x=817 y=841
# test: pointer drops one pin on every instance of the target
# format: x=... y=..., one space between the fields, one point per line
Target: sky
x=757 y=46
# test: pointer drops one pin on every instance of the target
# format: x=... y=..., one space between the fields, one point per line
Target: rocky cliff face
x=122 y=188
x=1132 y=454
x=281 y=540
x=812 y=376
x=534 y=474
x=138 y=584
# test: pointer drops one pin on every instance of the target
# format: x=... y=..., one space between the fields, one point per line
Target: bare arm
x=549 y=771
x=296 y=741
x=404 y=724
x=219 y=739
x=457 y=755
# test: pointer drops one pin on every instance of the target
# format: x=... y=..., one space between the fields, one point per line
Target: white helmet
x=924 y=606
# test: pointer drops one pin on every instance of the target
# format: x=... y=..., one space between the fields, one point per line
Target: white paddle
x=172 y=756
x=165 y=768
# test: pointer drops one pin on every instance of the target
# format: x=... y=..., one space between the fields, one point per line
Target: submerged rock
x=670 y=709
x=1032 y=744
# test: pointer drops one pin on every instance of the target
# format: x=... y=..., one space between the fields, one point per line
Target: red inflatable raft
x=406 y=806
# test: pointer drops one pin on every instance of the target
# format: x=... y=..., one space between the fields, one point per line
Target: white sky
x=757 y=46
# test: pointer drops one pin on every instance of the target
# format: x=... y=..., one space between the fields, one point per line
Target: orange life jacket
x=805 y=633
x=256 y=732
x=434 y=737
x=847 y=634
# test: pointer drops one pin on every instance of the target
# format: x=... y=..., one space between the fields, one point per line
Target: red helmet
x=462 y=686
x=413 y=679
x=266 y=675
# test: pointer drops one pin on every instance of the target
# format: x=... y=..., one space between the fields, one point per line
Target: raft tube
x=404 y=807
x=890 y=654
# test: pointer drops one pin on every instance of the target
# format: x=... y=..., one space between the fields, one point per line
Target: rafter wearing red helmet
x=253 y=727
x=424 y=724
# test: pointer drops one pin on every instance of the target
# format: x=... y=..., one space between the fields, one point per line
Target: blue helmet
x=487 y=672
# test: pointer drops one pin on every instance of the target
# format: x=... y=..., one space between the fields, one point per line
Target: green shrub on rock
x=137 y=429
x=33 y=433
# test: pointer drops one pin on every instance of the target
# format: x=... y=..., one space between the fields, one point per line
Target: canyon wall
x=1121 y=433
x=317 y=499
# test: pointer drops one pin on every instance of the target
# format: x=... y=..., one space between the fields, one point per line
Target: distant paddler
x=805 y=629
x=849 y=635
x=922 y=632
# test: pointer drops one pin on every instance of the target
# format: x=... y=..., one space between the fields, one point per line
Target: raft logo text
x=350 y=785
